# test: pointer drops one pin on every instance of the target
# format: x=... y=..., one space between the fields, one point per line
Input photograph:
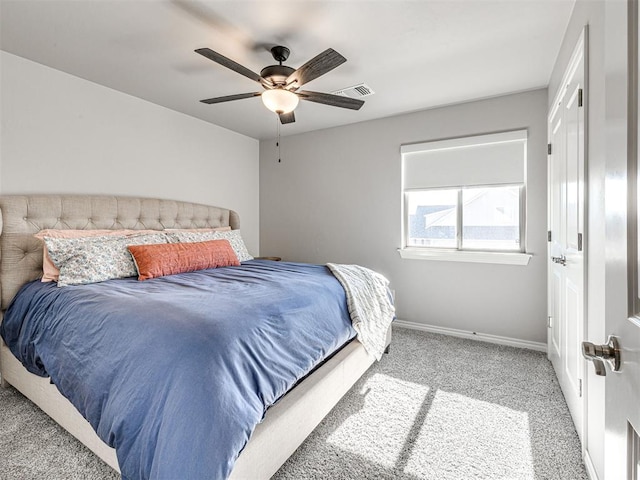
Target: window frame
x=516 y=256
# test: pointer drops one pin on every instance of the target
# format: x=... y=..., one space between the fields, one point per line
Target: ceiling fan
x=282 y=83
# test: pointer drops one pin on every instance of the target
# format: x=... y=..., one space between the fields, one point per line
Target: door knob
x=562 y=260
x=599 y=354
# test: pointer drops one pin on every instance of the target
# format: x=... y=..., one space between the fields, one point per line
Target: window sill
x=505 y=258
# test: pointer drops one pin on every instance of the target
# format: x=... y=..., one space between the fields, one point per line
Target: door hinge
x=549 y=321
x=548 y=235
x=548 y=149
x=579 y=242
x=579 y=97
x=580 y=387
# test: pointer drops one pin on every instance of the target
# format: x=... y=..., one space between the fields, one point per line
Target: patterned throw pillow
x=50 y=272
x=207 y=229
x=96 y=259
x=235 y=239
x=233 y=236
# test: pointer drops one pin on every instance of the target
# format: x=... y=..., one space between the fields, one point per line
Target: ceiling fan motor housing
x=277 y=74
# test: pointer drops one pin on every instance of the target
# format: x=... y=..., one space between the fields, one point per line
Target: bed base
x=286 y=424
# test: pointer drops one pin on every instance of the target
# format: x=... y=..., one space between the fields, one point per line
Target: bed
x=293 y=414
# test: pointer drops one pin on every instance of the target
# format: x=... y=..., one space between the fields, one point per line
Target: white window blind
x=469 y=161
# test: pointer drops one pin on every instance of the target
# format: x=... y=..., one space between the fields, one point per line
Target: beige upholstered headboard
x=23 y=215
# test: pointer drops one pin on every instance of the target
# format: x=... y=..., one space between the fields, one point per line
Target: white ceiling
x=413 y=54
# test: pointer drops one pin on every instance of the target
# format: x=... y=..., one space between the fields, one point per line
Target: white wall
x=63 y=134
x=335 y=197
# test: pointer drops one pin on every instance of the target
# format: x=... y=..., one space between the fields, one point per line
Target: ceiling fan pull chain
x=278 y=140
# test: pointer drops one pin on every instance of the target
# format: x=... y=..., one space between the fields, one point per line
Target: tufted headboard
x=21 y=216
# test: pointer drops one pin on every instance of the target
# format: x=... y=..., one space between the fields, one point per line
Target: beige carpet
x=436 y=407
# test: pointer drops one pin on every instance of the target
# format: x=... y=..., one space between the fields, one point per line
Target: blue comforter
x=176 y=372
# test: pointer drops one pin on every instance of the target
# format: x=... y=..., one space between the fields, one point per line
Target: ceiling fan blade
x=229 y=98
x=227 y=62
x=287 y=118
x=329 y=99
x=318 y=65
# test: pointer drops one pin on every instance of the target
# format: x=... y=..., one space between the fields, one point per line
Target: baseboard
x=484 y=337
x=588 y=465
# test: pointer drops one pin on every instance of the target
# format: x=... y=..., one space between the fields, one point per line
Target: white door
x=566 y=226
x=622 y=296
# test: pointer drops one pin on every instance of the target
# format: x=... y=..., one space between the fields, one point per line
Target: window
x=464 y=195
x=472 y=218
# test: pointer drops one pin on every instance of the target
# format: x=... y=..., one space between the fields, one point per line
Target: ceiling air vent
x=357 y=91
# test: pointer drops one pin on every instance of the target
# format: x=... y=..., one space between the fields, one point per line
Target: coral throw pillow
x=162 y=259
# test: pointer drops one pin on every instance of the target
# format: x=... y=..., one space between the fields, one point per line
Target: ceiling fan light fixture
x=279 y=100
